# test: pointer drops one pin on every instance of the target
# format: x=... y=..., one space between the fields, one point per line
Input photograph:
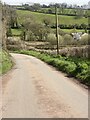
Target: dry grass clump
x=75 y=51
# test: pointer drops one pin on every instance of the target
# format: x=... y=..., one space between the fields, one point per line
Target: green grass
x=23 y=14
x=75 y=67
x=16 y=32
x=6 y=62
x=70 y=30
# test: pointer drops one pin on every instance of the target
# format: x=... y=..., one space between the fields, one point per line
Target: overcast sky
x=78 y=2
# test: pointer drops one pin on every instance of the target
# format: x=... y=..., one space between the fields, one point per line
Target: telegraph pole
x=57 y=37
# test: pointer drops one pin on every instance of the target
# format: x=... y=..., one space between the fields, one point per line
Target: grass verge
x=16 y=32
x=6 y=62
x=74 y=67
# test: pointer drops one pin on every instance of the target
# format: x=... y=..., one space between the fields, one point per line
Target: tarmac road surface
x=33 y=89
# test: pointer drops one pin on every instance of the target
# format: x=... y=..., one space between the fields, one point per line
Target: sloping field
x=39 y=17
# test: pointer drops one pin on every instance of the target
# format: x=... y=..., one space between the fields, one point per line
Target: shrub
x=82 y=72
x=70 y=68
x=84 y=76
x=52 y=39
x=31 y=36
x=60 y=40
x=67 y=39
x=84 y=40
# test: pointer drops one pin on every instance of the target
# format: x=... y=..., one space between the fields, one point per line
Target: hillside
x=40 y=17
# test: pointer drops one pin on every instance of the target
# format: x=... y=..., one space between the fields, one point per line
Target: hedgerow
x=76 y=67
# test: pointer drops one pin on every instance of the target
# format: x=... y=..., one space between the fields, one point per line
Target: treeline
x=59 y=5
x=75 y=26
x=66 y=11
x=63 y=9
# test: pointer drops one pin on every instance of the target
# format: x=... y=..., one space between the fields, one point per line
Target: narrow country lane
x=33 y=89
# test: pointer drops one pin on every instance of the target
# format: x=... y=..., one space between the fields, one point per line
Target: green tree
x=39 y=30
x=36 y=7
x=47 y=21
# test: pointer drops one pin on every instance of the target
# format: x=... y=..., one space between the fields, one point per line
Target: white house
x=77 y=36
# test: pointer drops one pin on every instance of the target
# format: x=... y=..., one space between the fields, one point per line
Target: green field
x=39 y=17
x=16 y=32
x=71 y=30
x=68 y=31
